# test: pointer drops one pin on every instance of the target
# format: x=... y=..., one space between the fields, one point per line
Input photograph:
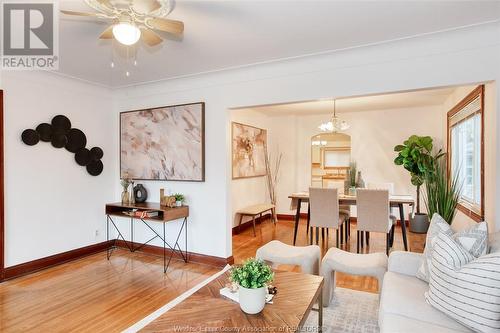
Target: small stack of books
x=142 y=214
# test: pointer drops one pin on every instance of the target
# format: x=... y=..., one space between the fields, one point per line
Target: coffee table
x=208 y=311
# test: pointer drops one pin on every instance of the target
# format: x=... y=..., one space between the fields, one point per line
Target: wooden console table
x=165 y=215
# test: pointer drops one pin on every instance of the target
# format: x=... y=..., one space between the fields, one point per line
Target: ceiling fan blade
x=166 y=25
x=107 y=34
x=105 y=3
x=150 y=37
x=146 y=6
x=70 y=12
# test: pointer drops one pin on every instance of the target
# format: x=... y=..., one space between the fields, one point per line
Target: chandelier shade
x=335 y=124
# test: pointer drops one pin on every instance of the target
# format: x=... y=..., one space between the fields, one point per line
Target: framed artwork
x=248 y=151
x=164 y=143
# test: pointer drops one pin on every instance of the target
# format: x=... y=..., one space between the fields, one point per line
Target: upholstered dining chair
x=374 y=215
x=379 y=186
x=324 y=208
x=343 y=209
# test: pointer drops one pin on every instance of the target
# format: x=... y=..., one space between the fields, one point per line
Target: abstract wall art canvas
x=249 y=151
x=165 y=143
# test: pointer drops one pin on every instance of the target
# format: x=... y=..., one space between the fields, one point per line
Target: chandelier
x=335 y=124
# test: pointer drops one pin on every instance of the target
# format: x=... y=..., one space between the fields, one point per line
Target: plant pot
x=419 y=223
x=178 y=203
x=252 y=301
x=352 y=191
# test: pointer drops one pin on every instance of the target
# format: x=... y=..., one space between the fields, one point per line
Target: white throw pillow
x=474 y=240
x=463 y=287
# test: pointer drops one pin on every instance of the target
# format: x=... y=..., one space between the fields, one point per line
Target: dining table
x=396 y=201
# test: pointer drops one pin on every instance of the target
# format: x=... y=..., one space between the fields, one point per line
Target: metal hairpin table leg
x=164 y=242
x=129 y=246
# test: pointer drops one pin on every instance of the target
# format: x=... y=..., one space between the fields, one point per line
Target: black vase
x=140 y=193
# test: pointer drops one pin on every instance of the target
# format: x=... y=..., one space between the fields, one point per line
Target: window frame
x=477 y=92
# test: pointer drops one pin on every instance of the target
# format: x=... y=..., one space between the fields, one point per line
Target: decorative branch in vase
x=272 y=176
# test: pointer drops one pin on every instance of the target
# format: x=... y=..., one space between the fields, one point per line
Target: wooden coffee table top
x=206 y=310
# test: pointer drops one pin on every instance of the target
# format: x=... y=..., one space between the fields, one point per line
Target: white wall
x=52 y=204
x=490 y=151
x=373 y=137
x=249 y=191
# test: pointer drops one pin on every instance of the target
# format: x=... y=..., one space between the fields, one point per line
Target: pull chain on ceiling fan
x=132 y=20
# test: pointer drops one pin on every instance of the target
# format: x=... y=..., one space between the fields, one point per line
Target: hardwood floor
x=245 y=245
x=94 y=295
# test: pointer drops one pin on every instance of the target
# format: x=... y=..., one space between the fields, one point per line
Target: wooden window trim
x=479 y=91
x=2 y=221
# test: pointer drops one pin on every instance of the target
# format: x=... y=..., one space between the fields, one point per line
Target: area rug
x=350 y=311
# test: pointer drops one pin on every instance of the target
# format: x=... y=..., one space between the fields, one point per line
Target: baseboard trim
x=54 y=260
x=192 y=257
x=248 y=224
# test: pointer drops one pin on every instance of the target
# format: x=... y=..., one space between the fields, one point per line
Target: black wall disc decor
x=60 y=134
x=30 y=137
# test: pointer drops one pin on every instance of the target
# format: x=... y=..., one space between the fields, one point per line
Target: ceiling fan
x=132 y=20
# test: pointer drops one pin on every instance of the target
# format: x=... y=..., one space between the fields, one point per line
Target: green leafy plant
x=415 y=155
x=442 y=193
x=253 y=274
x=352 y=174
x=179 y=197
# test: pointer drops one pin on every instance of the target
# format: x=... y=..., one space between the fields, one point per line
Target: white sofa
x=402 y=303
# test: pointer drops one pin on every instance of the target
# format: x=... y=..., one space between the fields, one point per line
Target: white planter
x=252 y=301
x=178 y=203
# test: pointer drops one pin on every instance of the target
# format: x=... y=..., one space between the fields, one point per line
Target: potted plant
x=179 y=199
x=352 y=178
x=442 y=194
x=252 y=277
x=415 y=155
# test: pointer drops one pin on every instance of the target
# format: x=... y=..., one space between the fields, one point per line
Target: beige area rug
x=351 y=311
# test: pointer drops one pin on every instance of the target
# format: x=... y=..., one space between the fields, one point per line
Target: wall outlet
x=97 y=232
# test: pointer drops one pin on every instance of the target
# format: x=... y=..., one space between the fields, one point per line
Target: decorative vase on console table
x=140 y=193
x=125 y=195
x=132 y=194
x=360 y=183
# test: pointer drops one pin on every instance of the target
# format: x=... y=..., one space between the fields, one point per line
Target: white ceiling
x=403 y=100
x=223 y=34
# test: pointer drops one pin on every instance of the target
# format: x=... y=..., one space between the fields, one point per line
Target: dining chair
x=374 y=215
x=379 y=186
x=324 y=208
x=343 y=209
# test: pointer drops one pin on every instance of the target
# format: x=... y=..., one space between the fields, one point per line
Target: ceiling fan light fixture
x=126 y=33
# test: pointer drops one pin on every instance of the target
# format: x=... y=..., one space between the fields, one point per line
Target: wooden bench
x=253 y=211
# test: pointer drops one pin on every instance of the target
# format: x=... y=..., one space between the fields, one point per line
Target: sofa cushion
x=465 y=288
x=494 y=242
x=474 y=240
x=403 y=296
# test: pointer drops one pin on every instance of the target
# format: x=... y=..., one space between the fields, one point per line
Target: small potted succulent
x=179 y=199
x=252 y=278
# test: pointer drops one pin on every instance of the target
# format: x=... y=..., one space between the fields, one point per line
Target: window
x=465 y=151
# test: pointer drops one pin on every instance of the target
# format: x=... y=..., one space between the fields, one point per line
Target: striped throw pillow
x=474 y=240
x=463 y=287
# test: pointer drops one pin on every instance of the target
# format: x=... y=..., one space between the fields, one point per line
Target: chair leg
x=357 y=242
x=362 y=242
x=346 y=229
x=368 y=238
x=392 y=234
x=317 y=235
x=311 y=235
x=323 y=235
x=253 y=221
x=239 y=224
x=387 y=241
x=308 y=217
x=337 y=238
x=341 y=227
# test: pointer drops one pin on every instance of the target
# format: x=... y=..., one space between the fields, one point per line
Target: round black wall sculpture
x=60 y=134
